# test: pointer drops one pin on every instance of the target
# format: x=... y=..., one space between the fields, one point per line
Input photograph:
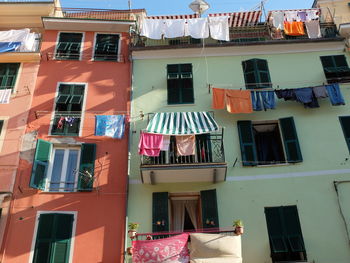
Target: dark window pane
x=340 y=61
x=46 y=224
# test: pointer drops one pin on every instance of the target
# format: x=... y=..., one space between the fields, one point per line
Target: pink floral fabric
x=167 y=250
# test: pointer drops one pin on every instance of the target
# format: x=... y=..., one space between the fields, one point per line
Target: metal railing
x=209 y=149
x=84 y=56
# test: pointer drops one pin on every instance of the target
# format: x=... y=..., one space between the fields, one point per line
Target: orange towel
x=218 y=102
x=294 y=28
x=239 y=101
x=186 y=145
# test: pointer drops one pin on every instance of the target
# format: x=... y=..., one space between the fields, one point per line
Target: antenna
x=129 y=4
x=259 y=6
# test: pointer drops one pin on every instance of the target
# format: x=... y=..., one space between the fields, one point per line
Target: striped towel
x=5 y=95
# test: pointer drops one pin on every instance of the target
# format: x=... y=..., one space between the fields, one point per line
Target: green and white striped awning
x=182 y=123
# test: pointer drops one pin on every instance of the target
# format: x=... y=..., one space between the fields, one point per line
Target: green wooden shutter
x=160 y=212
x=210 y=217
x=263 y=73
x=186 y=84
x=173 y=80
x=87 y=166
x=256 y=71
x=8 y=75
x=275 y=229
x=249 y=72
x=345 y=124
x=293 y=229
x=247 y=143
x=290 y=139
x=40 y=164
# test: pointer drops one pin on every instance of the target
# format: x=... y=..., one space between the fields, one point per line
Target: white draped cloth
x=5 y=95
x=174 y=28
x=179 y=209
x=27 y=39
x=152 y=28
x=197 y=28
x=219 y=28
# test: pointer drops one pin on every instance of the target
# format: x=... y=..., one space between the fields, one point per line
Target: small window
x=106 y=47
x=68 y=46
x=53 y=238
x=256 y=74
x=268 y=143
x=1 y=125
x=69 y=105
x=285 y=236
x=8 y=75
x=345 y=123
x=180 y=84
x=335 y=68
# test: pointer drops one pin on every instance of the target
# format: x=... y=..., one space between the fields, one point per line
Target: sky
x=171 y=7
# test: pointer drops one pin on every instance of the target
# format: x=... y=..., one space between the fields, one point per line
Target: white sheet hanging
x=219 y=28
x=5 y=95
x=152 y=28
x=311 y=14
x=291 y=16
x=278 y=19
x=174 y=28
x=197 y=28
x=313 y=29
x=28 y=40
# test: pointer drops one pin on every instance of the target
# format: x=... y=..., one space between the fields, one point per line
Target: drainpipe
x=336 y=184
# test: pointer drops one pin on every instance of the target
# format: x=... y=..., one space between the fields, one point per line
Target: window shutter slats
x=275 y=230
x=87 y=167
x=160 y=212
x=256 y=73
x=293 y=229
x=290 y=139
x=210 y=217
x=180 y=84
x=345 y=124
x=40 y=164
x=247 y=143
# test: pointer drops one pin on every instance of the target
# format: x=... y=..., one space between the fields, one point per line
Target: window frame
x=335 y=66
x=3 y=130
x=81 y=45
x=36 y=227
x=258 y=84
x=95 y=43
x=64 y=168
x=82 y=108
x=15 y=84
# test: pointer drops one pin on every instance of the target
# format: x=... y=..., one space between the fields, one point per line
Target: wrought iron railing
x=85 y=56
x=209 y=149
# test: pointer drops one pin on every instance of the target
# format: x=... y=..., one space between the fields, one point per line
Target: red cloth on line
x=150 y=144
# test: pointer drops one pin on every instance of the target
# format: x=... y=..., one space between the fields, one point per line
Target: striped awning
x=174 y=17
x=241 y=19
x=182 y=123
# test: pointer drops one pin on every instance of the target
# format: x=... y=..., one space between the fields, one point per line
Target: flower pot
x=239 y=230
x=132 y=233
x=129 y=251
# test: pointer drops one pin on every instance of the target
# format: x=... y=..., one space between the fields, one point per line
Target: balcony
x=207 y=165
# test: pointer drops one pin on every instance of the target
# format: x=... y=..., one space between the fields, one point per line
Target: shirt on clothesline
x=150 y=144
x=110 y=126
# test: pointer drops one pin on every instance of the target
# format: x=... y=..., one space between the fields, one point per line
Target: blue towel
x=263 y=100
x=256 y=101
x=110 y=125
x=307 y=97
x=9 y=46
x=335 y=94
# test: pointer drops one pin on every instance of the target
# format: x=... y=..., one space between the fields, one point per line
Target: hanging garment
x=335 y=95
x=197 y=28
x=11 y=40
x=239 y=101
x=174 y=28
x=218 y=100
x=313 y=29
x=294 y=28
x=166 y=143
x=110 y=126
x=302 y=16
x=150 y=144
x=5 y=95
x=152 y=28
x=320 y=92
x=286 y=94
x=278 y=19
x=219 y=28
x=276 y=33
x=186 y=145
x=311 y=15
x=268 y=99
x=9 y=46
x=70 y=120
x=256 y=100
x=60 y=123
x=307 y=97
x=291 y=16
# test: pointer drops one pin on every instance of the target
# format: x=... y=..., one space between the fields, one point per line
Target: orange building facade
x=69 y=200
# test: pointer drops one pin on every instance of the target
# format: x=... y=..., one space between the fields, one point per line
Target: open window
x=184 y=211
x=269 y=142
x=285 y=236
x=63 y=169
x=106 y=47
x=69 y=46
x=335 y=68
x=180 y=84
x=8 y=75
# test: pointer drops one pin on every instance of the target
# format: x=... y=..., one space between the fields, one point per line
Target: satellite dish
x=199 y=6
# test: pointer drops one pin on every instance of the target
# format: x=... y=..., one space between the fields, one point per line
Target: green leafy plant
x=238 y=223
x=134 y=226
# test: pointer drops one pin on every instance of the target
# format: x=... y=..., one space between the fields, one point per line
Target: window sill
x=181 y=105
x=275 y=165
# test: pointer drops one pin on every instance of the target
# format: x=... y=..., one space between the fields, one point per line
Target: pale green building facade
x=247 y=191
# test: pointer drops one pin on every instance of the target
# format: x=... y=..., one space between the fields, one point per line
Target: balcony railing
x=209 y=149
x=259 y=33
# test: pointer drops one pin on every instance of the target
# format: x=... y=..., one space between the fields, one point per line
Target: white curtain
x=179 y=215
x=191 y=207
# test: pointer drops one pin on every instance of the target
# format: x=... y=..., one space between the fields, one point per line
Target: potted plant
x=238 y=225
x=133 y=229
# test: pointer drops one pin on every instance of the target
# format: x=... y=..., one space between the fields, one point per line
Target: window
x=345 y=124
x=8 y=75
x=1 y=125
x=187 y=211
x=180 y=84
x=53 y=238
x=63 y=169
x=69 y=105
x=106 y=47
x=335 y=68
x=261 y=142
x=68 y=46
x=286 y=239
x=256 y=74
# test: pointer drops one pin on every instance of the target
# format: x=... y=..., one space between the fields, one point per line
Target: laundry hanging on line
x=263 y=100
x=110 y=125
x=236 y=101
x=5 y=95
x=150 y=144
